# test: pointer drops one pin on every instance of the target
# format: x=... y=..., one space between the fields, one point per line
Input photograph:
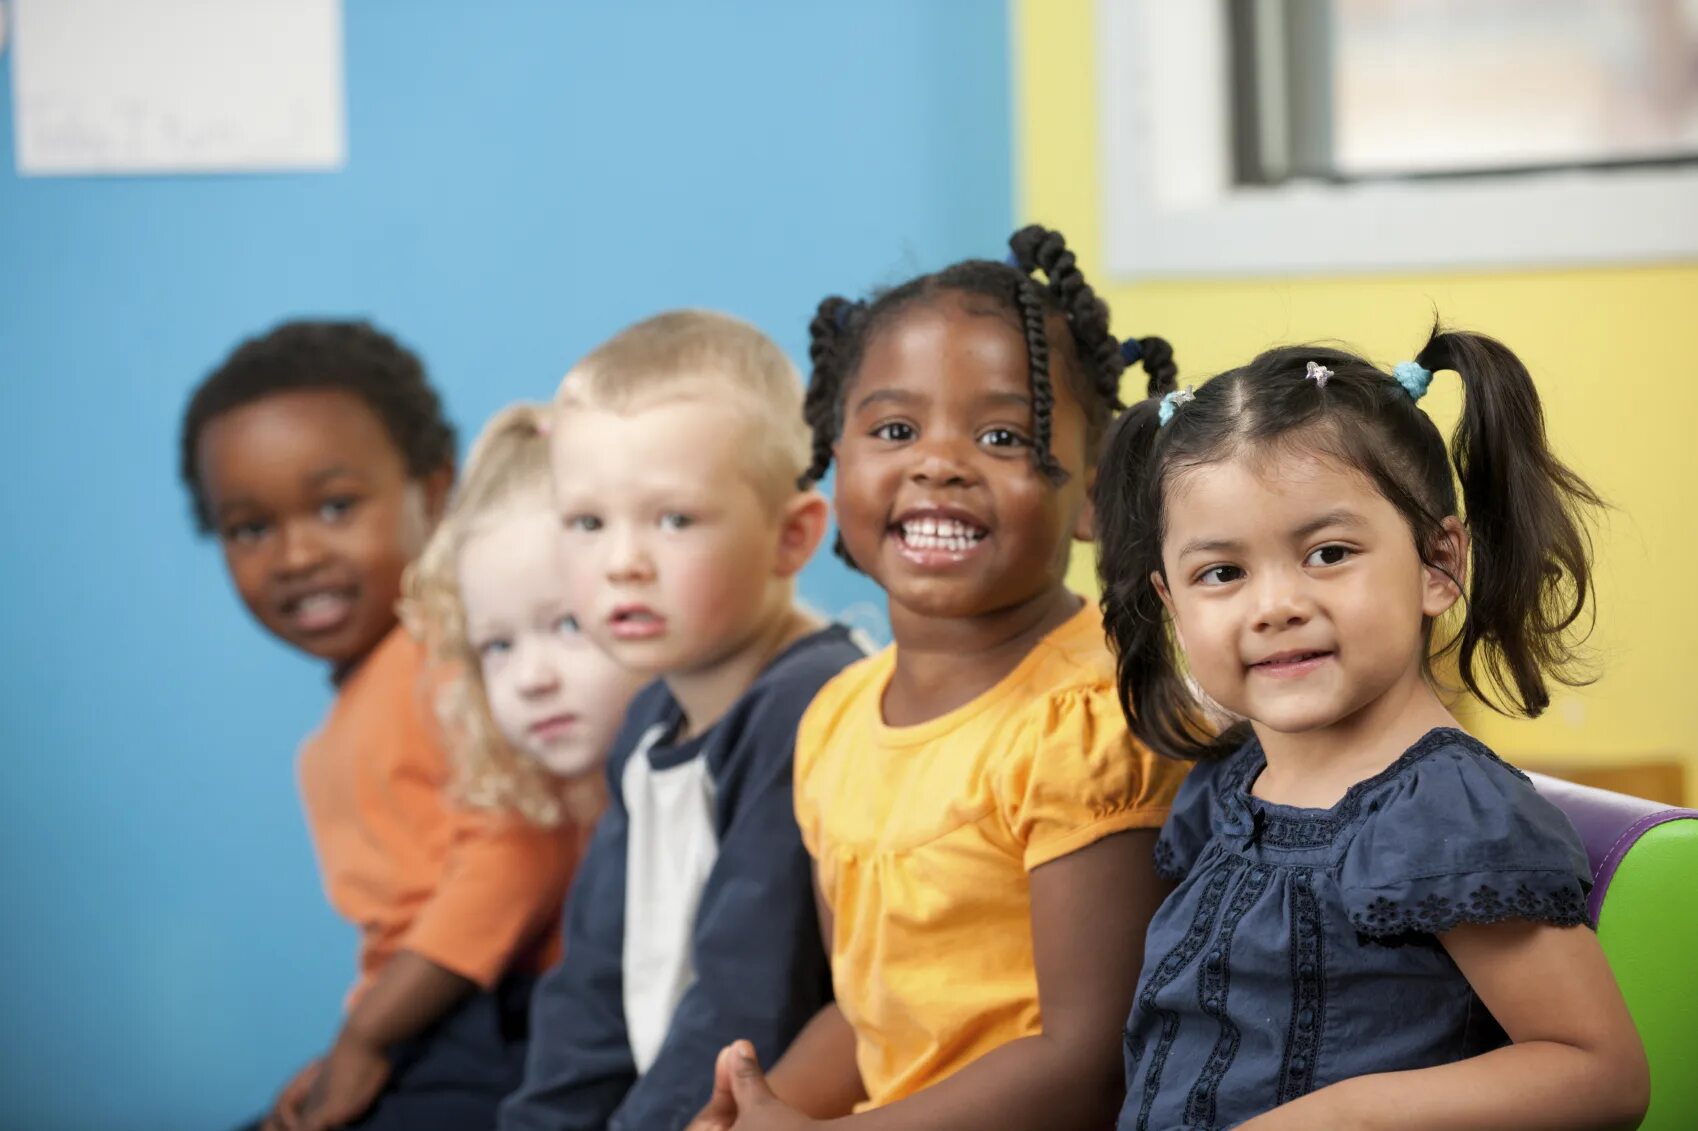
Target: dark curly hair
x=355 y=357
x=841 y=329
x=1528 y=584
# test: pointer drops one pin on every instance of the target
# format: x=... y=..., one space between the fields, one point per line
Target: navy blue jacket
x=761 y=970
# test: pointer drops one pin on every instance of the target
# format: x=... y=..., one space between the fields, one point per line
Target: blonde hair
x=508 y=462
x=684 y=351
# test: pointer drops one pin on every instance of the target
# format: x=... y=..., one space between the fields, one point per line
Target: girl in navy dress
x=1377 y=922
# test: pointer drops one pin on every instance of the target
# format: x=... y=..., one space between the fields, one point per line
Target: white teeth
x=941 y=534
x=959 y=545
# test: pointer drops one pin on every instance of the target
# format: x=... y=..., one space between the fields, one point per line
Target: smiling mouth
x=323 y=610
x=949 y=535
x=1290 y=663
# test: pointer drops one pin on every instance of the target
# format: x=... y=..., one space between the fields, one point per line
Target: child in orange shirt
x=319 y=456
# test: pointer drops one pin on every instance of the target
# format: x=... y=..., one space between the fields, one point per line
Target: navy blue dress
x=1299 y=948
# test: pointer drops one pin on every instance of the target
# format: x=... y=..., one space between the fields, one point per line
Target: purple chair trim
x=1608 y=823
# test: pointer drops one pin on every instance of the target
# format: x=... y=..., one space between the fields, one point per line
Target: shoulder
x=847 y=688
x=652 y=706
x=1452 y=833
x=385 y=704
x=1451 y=785
x=809 y=663
x=394 y=672
x=1210 y=795
x=769 y=714
x=1074 y=658
x=1064 y=690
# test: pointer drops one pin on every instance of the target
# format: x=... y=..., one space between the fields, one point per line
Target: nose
x=942 y=460
x=302 y=549
x=627 y=554
x=535 y=670
x=1281 y=601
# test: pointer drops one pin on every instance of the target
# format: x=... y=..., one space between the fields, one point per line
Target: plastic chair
x=1644 y=900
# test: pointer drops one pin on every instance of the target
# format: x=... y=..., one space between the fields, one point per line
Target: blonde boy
x=677 y=446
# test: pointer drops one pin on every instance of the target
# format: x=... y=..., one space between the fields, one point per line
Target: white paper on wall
x=177 y=86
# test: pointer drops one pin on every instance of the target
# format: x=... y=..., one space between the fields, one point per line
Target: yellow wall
x=1615 y=352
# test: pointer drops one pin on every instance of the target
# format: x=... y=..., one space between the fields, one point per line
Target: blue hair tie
x=1013 y=261
x=1414 y=377
x=843 y=313
x=1173 y=401
x=1131 y=350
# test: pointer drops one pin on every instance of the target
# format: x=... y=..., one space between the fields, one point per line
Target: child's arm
x=407 y=996
x=1576 y=1061
x=818 y=1075
x=1089 y=913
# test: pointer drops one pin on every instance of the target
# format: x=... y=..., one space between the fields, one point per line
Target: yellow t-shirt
x=923 y=837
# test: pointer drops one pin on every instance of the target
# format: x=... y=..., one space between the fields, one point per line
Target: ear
x=438 y=485
x=1085 y=526
x=1441 y=582
x=801 y=526
x=1160 y=583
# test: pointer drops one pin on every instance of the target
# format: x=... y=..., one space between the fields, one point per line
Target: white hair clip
x=1317 y=373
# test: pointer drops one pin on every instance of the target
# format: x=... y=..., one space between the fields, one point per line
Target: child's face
x=673 y=555
x=1295 y=588
x=554 y=695
x=317 y=517
x=936 y=495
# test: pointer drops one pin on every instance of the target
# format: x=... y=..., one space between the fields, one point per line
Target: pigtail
x=1040 y=248
x=830 y=332
x=1530 y=579
x=1156 y=696
x=1029 y=301
x=820 y=407
x=1156 y=356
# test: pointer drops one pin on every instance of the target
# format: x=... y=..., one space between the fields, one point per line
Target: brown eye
x=336 y=509
x=245 y=533
x=1002 y=438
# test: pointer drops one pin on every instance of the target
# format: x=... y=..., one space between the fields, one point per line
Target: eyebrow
x=320 y=477
x=1020 y=400
x=1340 y=517
x=234 y=506
x=894 y=396
x=903 y=397
x=1210 y=546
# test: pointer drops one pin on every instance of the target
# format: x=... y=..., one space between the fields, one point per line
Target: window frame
x=1171 y=207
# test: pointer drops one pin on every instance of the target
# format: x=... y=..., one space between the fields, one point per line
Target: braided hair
x=841 y=329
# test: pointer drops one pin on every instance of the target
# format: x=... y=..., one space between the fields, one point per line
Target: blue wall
x=524 y=178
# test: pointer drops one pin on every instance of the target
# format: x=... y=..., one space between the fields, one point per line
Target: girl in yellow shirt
x=980 y=821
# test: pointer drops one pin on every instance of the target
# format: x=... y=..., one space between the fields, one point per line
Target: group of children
x=967 y=881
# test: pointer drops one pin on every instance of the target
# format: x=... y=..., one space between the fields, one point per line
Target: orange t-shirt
x=475 y=892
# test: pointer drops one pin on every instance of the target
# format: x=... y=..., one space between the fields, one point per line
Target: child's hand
x=286 y=1112
x=721 y=1110
x=346 y=1086
x=740 y=1086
